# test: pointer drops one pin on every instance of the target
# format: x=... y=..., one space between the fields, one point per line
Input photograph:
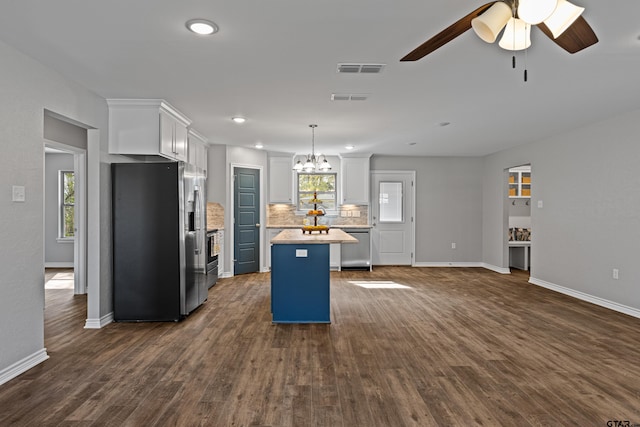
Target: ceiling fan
x=560 y=20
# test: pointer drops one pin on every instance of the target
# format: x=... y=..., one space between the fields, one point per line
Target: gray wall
x=56 y=254
x=448 y=205
x=588 y=182
x=28 y=89
x=216 y=174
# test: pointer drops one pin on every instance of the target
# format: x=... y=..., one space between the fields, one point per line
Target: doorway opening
x=392 y=217
x=247 y=213
x=518 y=210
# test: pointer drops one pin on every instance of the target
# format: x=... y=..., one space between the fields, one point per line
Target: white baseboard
x=497 y=269
x=63 y=264
x=448 y=264
x=99 y=323
x=225 y=275
x=501 y=270
x=621 y=308
x=23 y=365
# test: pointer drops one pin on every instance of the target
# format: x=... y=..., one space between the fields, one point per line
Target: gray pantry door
x=246 y=208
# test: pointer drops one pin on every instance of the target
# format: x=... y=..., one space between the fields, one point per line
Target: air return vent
x=360 y=68
x=349 y=96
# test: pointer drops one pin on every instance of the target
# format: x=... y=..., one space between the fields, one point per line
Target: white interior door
x=392 y=215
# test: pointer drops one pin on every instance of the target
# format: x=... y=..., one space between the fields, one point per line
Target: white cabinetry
x=147 y=127
x=271 y=233
x=520 y=182
x=334 y=256
x=355 y=180
x=198 y=150
x=280 y=179
x=221 y=253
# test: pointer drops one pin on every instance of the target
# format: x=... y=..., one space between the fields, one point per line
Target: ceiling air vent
x=360 y=68
x=349 y=96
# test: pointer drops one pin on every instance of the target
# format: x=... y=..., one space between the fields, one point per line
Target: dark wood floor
x=462 y=347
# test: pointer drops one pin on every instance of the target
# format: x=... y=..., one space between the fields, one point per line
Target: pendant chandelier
x=312 y=162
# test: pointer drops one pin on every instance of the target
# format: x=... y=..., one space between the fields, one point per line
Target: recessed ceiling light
x=238 y=119
x=203 y=27
x=349 y=147
x=259 y=145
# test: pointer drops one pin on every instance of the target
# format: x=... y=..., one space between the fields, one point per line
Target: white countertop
x=295 y=236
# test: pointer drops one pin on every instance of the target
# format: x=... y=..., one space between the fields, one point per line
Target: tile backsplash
x=281 y=214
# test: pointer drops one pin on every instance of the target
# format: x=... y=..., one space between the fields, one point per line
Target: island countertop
x=295 y=237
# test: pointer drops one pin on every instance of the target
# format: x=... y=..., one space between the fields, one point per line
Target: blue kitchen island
x=300 y=281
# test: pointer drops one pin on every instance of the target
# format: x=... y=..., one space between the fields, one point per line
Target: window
x=67 y=198
x=322 y=183
x=390 y=203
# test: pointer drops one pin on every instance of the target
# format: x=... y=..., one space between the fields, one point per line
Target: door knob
x=258 y=225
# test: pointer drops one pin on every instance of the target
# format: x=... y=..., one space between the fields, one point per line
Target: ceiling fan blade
x=578 y=36
x=446 y=35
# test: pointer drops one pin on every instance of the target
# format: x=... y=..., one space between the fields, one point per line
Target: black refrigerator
x=159 y=265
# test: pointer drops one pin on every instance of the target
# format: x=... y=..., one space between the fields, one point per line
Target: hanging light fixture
x=313 y=163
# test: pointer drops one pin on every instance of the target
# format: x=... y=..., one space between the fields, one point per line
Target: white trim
x=23 y=365
x=448 y=264
x=230 y=237
x=621 y=308
x=99 y=323
x=62 y=264
x=501 y=270
x=65 y=240
x=225 y=275
x=80 y=223
x=412 y=212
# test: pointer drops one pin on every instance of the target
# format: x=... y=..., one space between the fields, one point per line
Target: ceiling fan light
x=488 y=25
x=565 y=14
x=298 y=166
x=535 y=11
x=516 y=36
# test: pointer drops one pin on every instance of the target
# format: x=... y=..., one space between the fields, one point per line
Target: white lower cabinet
x=221 y=253
x=271 y=233
x=334 y=256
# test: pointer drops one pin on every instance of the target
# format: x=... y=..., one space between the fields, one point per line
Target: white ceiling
x=274 y=62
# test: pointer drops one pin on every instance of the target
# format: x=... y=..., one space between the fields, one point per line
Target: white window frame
x=61 y=207
x=335 y=191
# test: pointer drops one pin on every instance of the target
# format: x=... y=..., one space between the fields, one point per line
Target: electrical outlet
x=616 y=273
x=343 y=213
x=356 y=214
x=453 y=245
x=18 y=193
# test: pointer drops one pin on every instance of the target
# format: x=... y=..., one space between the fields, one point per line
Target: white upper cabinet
x=198 y=150
x=354 y=180
x=147 y=127
x=281 y=179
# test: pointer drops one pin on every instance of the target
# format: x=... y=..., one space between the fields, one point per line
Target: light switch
x=18 y=193
x=301 y=253
x=356 y=214
x=540 y=204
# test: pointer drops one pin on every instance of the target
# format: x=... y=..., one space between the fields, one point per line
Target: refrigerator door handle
x=196 y=203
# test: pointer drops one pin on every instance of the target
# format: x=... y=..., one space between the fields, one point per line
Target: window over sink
x=322 y=183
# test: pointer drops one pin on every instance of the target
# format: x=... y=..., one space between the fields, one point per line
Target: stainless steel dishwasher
x=356 y=256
